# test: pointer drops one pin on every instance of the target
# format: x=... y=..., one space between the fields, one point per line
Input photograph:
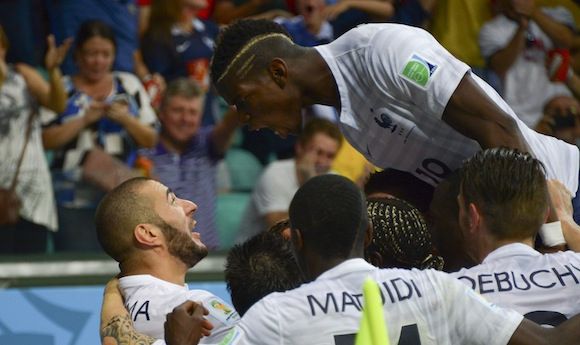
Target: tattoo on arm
x=121 y=329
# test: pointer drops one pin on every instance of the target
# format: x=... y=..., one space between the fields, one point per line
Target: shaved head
x=120 y=211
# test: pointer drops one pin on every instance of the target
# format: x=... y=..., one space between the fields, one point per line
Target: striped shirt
x=191 y=176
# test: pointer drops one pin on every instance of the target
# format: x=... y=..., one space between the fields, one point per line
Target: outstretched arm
x=472 y=113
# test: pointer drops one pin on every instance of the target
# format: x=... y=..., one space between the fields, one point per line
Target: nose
x=188 y=206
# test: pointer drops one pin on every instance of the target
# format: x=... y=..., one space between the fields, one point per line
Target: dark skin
x=305 y=79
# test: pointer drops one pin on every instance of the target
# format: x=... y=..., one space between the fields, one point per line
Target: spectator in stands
x=401 y=238
x=228 y=11
x=145 y=227
x=263 y=264
x=515 y=44
x=178 y=44
x=107 y=117
x=186 y=156
x=413 y=12
x=315 y=151
x=561 y=119
x=66 y=17
x=20 y=136
x=503 y=202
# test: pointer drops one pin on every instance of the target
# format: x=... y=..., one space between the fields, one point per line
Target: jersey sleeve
x=411 y=64
x=259 y=326
x=221 y=315
x=472 y=319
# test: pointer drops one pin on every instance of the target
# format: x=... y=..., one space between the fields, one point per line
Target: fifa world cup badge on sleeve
x=418 y=70
x=222 y=311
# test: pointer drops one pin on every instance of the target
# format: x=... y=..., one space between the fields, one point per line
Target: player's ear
x=147 y=234
x=297 y=240
x=474 y=217
x=278 y=71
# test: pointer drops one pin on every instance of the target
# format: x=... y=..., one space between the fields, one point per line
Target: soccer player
x=148 y=230
x=404 y=101
x=503 y=202
x=329 y=230
x=263 y=264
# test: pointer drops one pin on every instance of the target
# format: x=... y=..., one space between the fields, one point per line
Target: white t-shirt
x=273 y=193
x=421 y=307
x=394 y=83
x=517 y=276
x=34 y=187
x=150 y=299
x=526 y=87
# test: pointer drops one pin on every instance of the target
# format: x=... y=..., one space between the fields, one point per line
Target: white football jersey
x=150 y=299
x=543 y=287
x=394 y=83
x=421 y=307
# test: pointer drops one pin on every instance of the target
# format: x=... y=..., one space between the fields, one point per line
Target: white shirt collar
x=146 y=279
x=346 y=267
x=510 y=250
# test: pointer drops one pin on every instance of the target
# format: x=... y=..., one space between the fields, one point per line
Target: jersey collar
x=510 y=250
x=346 y=267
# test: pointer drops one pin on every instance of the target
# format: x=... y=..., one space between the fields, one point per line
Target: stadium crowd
x=430 y=144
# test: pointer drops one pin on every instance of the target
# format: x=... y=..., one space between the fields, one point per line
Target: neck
x=316 y=80
x=171 y=144
x=166 y=268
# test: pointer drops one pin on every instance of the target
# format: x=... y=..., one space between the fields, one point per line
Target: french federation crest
x=419 y=70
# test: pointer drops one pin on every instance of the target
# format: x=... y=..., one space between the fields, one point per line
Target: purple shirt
x=192 y=176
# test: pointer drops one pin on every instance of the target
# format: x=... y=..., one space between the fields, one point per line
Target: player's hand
x=561 y=199
x=186 y=324
x=55 y=55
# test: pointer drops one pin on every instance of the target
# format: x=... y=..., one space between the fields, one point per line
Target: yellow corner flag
x=373 y=330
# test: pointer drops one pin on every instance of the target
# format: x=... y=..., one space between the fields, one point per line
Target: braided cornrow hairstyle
x=400 y=233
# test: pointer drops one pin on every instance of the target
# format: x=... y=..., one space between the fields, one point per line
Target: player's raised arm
x=471 y=112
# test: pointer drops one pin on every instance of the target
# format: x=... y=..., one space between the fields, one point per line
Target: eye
x=173 y=199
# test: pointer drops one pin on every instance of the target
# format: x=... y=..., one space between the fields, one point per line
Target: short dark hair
x=400 y=234
x=235 y=37
x=263 y=264
x=4 y=43
x=94 y=28
x=402 y=185
x=117 y=215
x=330 y=212
x=316 y=126
x=510 y=189
x=184 y=87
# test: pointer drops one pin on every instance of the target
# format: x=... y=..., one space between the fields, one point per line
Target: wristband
x=551 y=234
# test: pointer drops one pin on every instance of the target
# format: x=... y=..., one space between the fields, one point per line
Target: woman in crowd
x=107 y=117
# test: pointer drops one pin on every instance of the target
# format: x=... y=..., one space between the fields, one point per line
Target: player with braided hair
x=400 y=236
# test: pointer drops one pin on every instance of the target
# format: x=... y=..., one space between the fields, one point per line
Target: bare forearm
x=57 y=95
x=226 y=12
x=120 y=328
x=378 y=9
x=224 y=131
x=503 y=59
x=571 y=232
x=559 y=33
x=573 y=84
x=57 y=136
x=144 y=136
